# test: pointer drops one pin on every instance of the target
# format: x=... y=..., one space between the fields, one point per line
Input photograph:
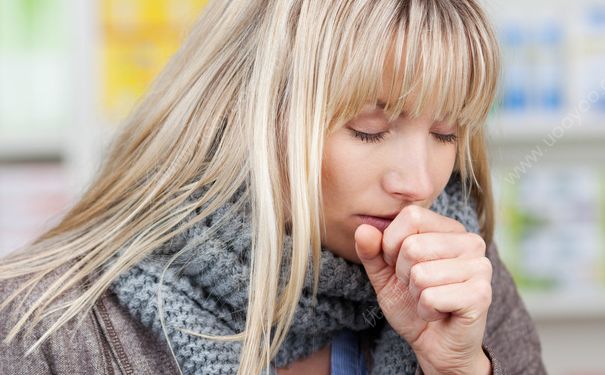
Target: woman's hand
x=433 y=284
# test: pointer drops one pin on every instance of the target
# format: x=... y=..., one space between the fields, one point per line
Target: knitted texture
x=205 y=291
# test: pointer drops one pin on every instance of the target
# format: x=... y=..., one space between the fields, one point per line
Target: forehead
x=428 y=61
x=390 y=90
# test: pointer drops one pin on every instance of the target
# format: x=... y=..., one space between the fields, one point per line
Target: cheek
x=442 y=166
x=340 y=166
x=445 y=158
x=345 y=175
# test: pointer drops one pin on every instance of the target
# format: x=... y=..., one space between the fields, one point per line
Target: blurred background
x=71 y=70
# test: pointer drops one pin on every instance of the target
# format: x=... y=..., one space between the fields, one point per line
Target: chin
x=351 y=257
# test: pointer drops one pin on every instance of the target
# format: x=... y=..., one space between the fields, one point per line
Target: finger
x=447 y=271
x=414 y=220
x=469 y=300
x=417 y=248
x=367 y=246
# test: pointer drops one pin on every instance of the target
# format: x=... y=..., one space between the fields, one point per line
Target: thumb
x=368 y=245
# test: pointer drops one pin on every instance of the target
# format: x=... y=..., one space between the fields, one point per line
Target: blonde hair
x=248 y=100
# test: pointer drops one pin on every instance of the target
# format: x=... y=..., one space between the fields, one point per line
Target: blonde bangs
x=442 y=57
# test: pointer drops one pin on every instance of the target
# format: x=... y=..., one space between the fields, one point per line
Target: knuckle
x=412 y=214
x=485 y=266
x=474 y=315
x=417 y=275
x=484 y=292
x=386 y=234
x=410 y=247
x=478 y=243
x=427 y=297
x=459 y=226
x=387 y=247
x=389 y=239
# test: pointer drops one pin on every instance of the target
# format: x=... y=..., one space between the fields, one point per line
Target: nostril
x=413 y=187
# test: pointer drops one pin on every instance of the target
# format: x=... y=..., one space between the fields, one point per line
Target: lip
x=386 y=217
x=379 y=223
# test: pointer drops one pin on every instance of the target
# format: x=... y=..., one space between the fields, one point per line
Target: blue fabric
x=346 y=357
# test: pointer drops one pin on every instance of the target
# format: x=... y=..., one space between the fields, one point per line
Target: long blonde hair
x=248 y=100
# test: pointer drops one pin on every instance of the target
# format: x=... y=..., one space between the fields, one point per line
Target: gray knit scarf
x=207 y=293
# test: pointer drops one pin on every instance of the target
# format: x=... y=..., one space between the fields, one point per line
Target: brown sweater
x=110 y=341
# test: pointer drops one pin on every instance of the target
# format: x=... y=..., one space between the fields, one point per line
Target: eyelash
x=373 y=138
x=368 y=138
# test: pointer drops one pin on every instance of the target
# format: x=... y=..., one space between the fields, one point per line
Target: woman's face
x=407 y=161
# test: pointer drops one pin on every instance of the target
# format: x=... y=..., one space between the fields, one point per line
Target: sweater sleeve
x=511 y=341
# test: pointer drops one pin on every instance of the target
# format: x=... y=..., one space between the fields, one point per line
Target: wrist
x=483 y=364
x=480 y=366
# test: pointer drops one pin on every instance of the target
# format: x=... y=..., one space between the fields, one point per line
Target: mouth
x=380 y=223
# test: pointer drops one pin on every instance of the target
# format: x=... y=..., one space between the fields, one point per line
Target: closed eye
x=368 y=137
x=377 y=137
x=445 y=138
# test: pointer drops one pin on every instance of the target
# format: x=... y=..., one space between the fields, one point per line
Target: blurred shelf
x=547 y=130
x=48 y=148
x=565 y=305
x=530 y=140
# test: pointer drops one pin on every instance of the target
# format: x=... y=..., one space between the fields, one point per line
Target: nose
x=408 y=177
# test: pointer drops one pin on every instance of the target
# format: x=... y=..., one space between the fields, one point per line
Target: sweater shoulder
x=133 y=344
x=103 y=340
x=73 y=348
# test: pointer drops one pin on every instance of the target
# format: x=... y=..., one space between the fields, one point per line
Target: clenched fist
x=433 y=284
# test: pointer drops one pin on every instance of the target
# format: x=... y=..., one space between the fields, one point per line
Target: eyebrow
x=382 y=104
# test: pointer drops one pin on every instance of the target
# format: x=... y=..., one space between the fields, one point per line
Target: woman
x=304 y=189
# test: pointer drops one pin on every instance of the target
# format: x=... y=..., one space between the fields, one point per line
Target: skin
x=410 y=165
x=431 y=277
